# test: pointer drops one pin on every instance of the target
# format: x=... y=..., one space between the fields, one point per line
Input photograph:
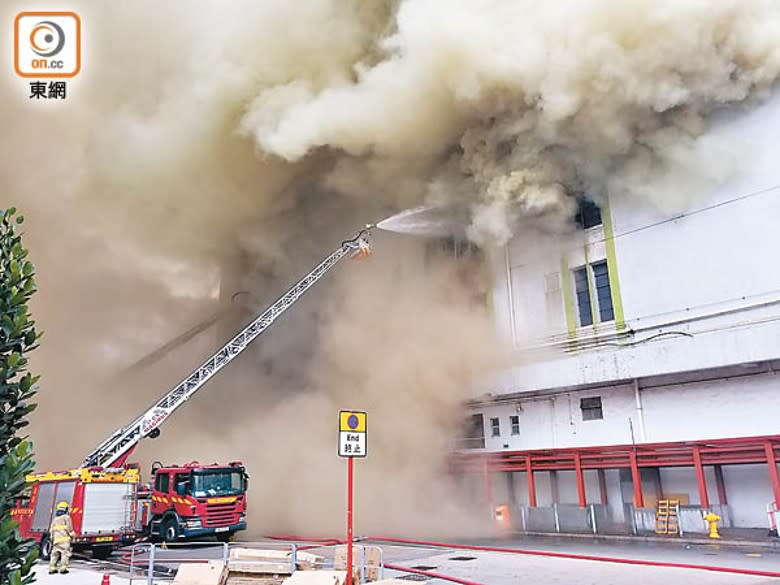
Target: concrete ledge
x=770 y=543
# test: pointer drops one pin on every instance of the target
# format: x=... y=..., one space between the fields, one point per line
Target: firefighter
x=61 y=534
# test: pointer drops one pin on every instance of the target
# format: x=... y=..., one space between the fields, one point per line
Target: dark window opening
x=514 y=421
x=475 y=432
x=495 y=427
x=460 y=248
x=588 y=214
x=591 y=408
x=455 y=247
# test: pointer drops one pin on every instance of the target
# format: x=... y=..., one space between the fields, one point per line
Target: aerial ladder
x=115 y=450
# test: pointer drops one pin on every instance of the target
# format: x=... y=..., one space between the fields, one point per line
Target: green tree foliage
x=17 y=387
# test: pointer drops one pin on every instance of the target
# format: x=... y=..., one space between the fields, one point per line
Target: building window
x=514 y=422
x=582 y=291
x=454 y=247
x=603 y=292
x=495 y=427
x=591 y=408
x=475 y=432
x=597 y=289
x=588 y=214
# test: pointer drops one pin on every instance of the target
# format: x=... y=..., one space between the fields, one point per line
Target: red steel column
x=603 y=487
x=774 y=476
x=580 y=480
x=636 y=479
x=531 y=483
x=721 y=484
x=701 y=480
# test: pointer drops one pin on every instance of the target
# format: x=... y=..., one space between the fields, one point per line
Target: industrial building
x=645 y=357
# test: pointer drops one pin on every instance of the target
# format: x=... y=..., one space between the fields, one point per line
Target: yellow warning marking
x=349 y=424
x=225 y=500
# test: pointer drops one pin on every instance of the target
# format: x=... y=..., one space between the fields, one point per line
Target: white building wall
x=714 y=409
x=704 y=270
x=748 y=491
x=615 y=496
x=698 y=281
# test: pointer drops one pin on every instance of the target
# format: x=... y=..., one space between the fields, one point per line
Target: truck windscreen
x=217 y=482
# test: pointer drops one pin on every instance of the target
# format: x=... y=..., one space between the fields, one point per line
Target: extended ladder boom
x=115 y=450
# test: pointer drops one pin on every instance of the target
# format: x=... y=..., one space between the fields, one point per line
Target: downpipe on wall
x=640 y=412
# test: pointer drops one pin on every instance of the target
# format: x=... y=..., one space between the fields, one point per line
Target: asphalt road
x=497 y=568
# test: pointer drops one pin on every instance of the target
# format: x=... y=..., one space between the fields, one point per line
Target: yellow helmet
x=62 y=506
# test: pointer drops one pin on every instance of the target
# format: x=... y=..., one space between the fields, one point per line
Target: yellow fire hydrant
x=712 y=520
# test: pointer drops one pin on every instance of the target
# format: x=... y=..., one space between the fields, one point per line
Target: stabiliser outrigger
x=109 y=506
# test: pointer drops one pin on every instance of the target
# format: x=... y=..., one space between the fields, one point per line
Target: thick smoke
x=516 y=105
x=210 y=149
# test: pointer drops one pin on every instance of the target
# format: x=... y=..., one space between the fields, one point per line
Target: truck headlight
x=194 y=523
x=242 y=517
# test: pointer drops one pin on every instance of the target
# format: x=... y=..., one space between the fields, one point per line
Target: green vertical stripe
x=568 y=299
x=612 y=266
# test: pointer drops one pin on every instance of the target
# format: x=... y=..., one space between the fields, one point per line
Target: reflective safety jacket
x=61 y=530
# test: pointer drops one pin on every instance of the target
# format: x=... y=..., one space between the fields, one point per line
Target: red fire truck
x=102 y=506
x=194 y=500
x=110 y=506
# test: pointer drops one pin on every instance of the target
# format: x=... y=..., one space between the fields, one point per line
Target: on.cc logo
x=47 y=44
x=47 y=38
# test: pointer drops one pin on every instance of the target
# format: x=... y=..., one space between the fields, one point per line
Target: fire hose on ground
x=578 y=557
x=325 y=542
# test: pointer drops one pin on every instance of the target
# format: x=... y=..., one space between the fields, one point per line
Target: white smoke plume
x=515 y=105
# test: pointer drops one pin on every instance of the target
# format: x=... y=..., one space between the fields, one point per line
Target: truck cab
x=194 y=500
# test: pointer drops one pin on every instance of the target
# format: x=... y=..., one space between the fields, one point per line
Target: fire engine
x=102 y=506
x=109 y=504
x=193 y=501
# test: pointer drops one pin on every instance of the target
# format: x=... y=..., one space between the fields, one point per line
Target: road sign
x=352 y=433
x=352 y=443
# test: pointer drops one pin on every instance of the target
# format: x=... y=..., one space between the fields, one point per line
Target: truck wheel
x=44 y=548
x=170 y=530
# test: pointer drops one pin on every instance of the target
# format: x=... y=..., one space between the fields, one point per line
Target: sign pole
x=350 y=479
x=352 y=443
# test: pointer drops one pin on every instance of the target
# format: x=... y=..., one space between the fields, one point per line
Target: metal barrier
x=155 y=563
x=152 y=562
x=572 y=518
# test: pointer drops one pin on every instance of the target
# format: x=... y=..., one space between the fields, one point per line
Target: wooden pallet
x=667 y=517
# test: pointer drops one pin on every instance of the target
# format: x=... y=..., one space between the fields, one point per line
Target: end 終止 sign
x=352 y=433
